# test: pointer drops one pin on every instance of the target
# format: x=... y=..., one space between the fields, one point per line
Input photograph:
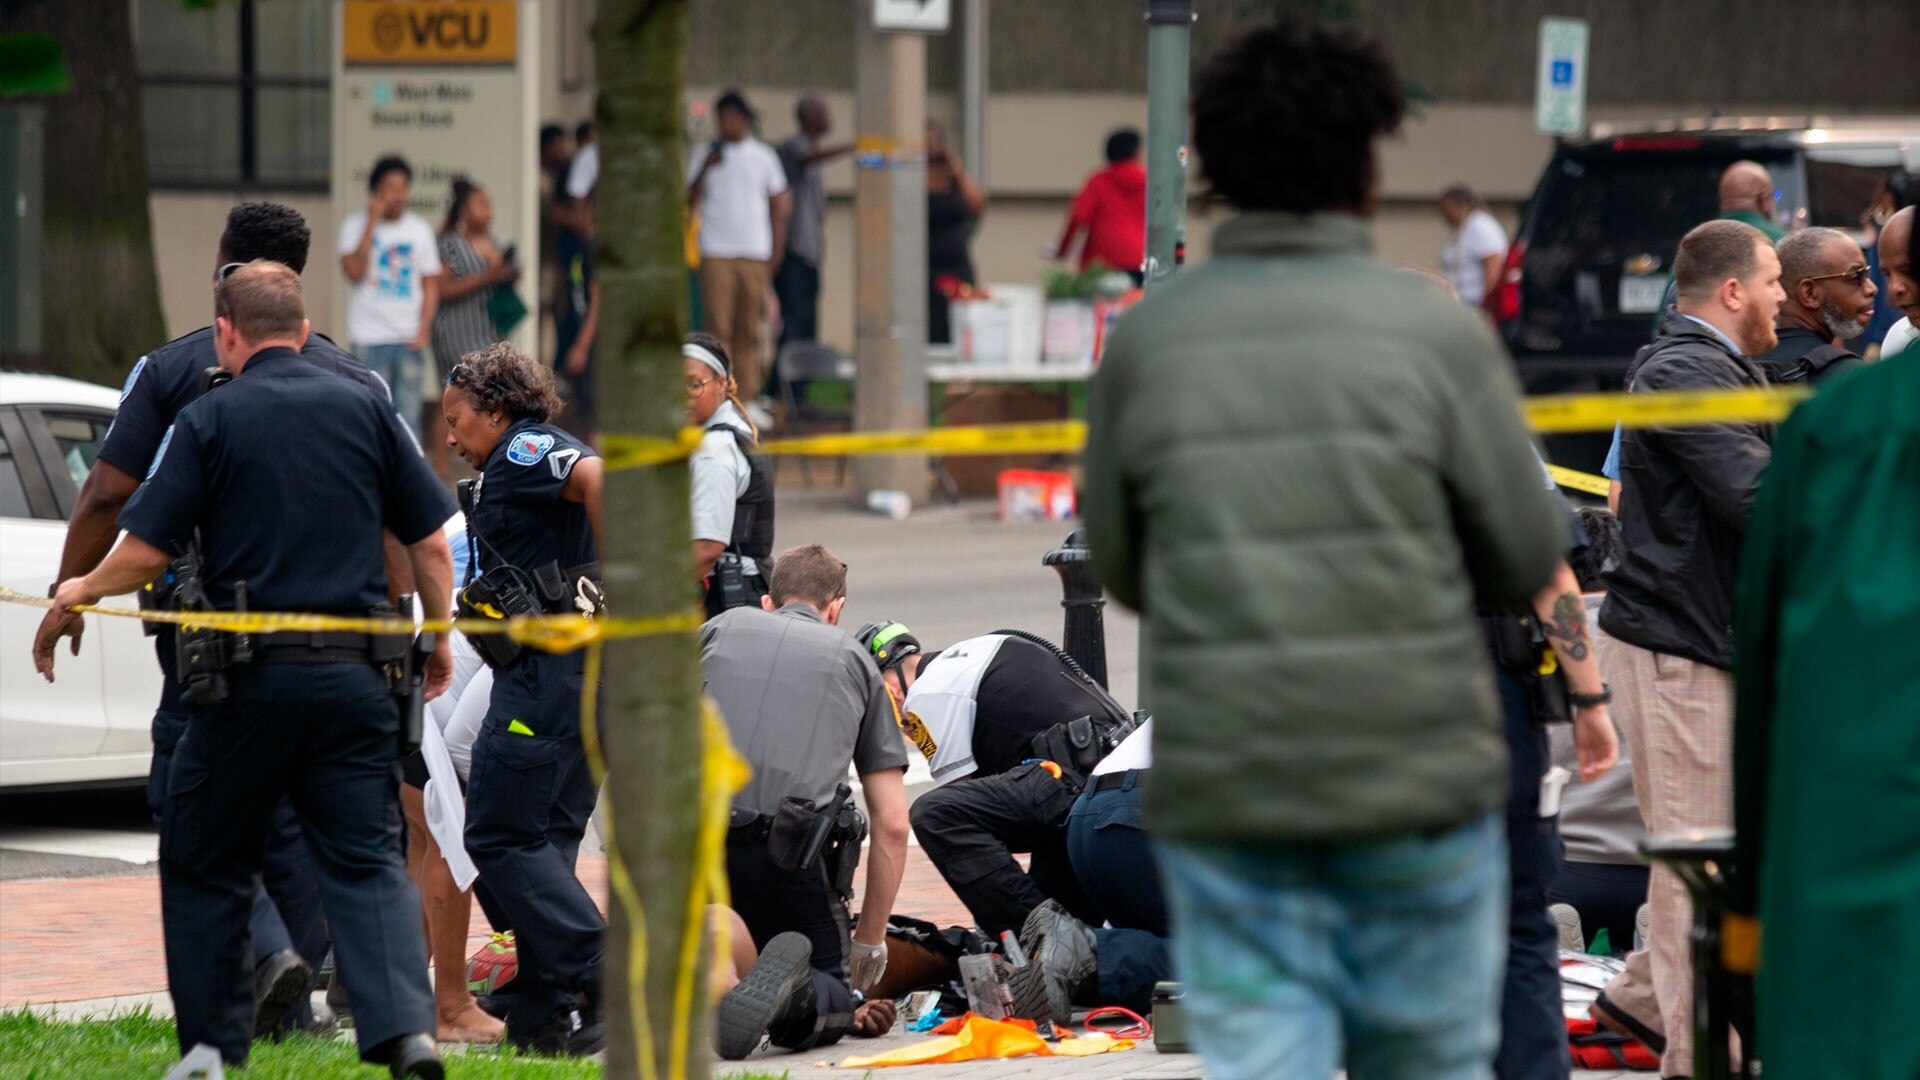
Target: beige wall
x=186 y=229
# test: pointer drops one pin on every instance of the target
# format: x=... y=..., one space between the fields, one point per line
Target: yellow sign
x=429 y=32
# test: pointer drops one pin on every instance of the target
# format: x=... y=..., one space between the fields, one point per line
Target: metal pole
x=1169 y=29
x=890 y=229
x=973 y=88
x=1085 y=636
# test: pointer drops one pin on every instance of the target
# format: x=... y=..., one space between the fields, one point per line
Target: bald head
x=257 y=306
x=1746 y=185
x=1896 y=262
x=1824 y=274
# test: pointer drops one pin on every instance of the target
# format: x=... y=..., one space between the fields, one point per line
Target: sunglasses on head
x=464 y=375
x=226 y=271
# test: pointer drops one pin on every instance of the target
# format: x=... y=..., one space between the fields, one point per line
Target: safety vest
x=939 y=712
x=753 y=510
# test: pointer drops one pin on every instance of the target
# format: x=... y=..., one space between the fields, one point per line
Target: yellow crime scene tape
x=722 y=772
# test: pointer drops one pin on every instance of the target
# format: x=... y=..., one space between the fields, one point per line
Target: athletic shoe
x=414 y=1057
x=764 y=996
x=1642 y=922
x=280 y=982
x=574 y=1031
x=1572 y=937
x=1060 y=957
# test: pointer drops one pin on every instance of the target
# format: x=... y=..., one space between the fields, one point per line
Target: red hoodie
x=1112 y=208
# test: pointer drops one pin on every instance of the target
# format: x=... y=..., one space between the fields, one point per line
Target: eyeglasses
x=226 y=271
x=1858 y=275
x=694 y=386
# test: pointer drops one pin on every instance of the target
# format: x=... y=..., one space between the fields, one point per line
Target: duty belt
x=1128 y=778
x=747 y=824
x=315 y=647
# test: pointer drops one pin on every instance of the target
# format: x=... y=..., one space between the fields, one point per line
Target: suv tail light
x=1505 y=301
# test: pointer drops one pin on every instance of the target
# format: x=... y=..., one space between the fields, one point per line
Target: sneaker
x=1642 y=922
x=1061 y=964
x=763 y=995
x=1572 y=937
x=760 y=411
x=280 y=982
x=574 y=1031
x=413 y=1057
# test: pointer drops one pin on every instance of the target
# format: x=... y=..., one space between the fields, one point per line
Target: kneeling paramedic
x=284 y=480
x=803 y=702
x=1010 y=727
x=532 y=516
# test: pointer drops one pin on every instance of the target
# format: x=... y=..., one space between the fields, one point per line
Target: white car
x=92 y=725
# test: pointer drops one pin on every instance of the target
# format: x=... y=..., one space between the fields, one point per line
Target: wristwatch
x=1588 y=701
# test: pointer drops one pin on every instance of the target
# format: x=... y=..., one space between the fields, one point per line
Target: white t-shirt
x=1479 y=236
x=385 y=306
x=720 y=474
x=584 y=171
x=735 y=220
x=1900 y=338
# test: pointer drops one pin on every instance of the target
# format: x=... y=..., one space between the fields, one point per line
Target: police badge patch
x=528 y=447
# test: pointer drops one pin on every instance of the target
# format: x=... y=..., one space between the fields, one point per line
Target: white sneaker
x=1642 y=921
x=761 y=414
x=1572 y=937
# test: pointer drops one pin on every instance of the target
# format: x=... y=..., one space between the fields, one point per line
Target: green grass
x=141 y=1045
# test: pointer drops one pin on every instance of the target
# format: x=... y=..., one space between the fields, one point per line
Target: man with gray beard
x=1829 y=297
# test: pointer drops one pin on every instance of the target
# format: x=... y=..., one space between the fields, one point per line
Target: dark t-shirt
x=518 y=513
x=1026 y=690
x=288 y=475
x=173 y=376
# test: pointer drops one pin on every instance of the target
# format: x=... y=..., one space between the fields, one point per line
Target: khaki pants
x=735 y=294
x=1676 y=717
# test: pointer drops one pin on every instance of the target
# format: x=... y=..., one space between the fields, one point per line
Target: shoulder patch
x=160 y=454
x=528 y=447
x=132 y=377
x=562 y=461
x=916 y=731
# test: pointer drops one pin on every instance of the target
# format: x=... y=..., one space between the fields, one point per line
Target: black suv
x=1589 y=265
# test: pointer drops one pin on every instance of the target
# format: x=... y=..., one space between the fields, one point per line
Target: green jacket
x=1303 y=469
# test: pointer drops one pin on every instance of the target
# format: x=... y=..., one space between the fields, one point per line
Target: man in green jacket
x=1827 y=704
x=1304 y=470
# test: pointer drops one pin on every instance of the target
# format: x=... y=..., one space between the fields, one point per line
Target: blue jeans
x=1113 y=858
x=403 y=368
x=1386 y=955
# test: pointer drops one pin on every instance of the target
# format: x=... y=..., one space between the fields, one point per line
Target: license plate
x=1640 y=294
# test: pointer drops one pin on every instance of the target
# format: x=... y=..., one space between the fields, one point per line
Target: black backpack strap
x=1822 y=358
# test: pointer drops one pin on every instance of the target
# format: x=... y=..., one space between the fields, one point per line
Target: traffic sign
x=919 y=16
x=1560 y=85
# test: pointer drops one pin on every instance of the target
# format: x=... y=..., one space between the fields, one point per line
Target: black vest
x=753 y=511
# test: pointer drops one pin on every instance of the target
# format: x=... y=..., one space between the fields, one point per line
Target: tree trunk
x=653 y=683
x=102 y=298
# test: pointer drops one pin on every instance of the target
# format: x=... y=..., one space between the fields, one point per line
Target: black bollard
x=1086 y=629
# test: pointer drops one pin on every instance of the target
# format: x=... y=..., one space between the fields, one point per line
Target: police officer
x=1117 y=963
x=1546 y=670
x=532 y=516
x=284 y=479
x=732 y=484
x=1010 y=727
x=289 y=936
x=803 y=702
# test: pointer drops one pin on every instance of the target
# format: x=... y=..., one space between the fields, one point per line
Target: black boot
x=767 y=997
x=280 y=982
x=411 y=1056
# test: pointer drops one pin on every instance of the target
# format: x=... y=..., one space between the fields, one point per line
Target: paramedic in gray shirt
x=803 y=701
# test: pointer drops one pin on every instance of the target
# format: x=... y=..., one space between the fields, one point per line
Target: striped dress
x=462 y=325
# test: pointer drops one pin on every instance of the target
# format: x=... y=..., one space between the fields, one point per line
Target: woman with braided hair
x=732 y=483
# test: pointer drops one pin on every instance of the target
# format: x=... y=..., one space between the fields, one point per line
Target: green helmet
x=890 y=642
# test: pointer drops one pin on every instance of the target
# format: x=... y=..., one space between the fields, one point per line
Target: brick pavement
x=78 y=939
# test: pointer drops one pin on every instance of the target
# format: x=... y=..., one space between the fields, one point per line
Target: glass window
x=78 y=437
x=236 y=94
x=13 y=493
x=1838 y=191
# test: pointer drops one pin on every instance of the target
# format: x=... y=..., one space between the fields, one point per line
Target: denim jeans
x=1386 y=955
x=403 y=368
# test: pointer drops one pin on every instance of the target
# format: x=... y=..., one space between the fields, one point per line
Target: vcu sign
x=429 y=31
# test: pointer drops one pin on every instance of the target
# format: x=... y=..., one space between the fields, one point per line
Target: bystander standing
x=1830 y=293
x=1473 y=254
x=391 y=258
x=1668 y=615
x=739 y=189
x=1111 y=211
x=1327 y=762
x=797 y=282
x=954 y=205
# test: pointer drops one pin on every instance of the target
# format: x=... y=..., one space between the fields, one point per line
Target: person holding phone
x=475 y=265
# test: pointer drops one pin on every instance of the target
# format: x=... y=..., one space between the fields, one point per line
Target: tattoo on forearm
x=1568 y=628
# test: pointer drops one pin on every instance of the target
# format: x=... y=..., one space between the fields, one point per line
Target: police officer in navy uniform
x=289 y=936
x=732 y=484
x=284 y=479
x=532 y=516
